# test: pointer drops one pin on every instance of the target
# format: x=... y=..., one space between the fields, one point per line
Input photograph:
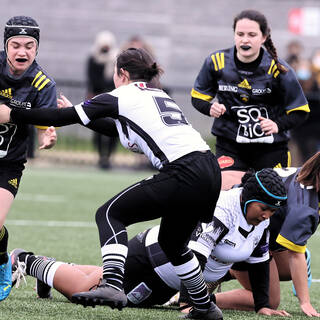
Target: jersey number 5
x=170 y=113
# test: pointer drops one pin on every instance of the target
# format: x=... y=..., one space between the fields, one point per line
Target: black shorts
x=10 y=176
x=183 y=193
x=142 y=285
x=243 y=156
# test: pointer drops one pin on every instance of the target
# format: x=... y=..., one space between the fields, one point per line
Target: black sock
x=227 y=277
x=4 y=235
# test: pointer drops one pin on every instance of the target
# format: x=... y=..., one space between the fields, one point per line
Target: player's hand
x=268 y=126
x=184 y=308
x=49 y=138
x=308 y=309
x=63 y=102
x=272 y=312
x=4 y=113
x=217 y=110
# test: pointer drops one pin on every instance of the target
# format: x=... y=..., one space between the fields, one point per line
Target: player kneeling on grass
x=290 y=230
x=238 y=232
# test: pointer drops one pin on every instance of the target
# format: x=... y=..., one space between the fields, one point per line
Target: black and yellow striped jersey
x=33 y=89
x=292 y=225
x=248 y=94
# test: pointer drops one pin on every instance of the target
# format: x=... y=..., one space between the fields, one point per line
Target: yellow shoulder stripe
x=290 y=245
x=273 y=69
x=36 y=77
x=218 y=60
x=43 y=84
x=304 y=108
x=40 y=80
x=196 y=94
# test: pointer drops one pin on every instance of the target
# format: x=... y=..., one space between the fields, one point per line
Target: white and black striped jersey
x=148 y=121
x=227 y=239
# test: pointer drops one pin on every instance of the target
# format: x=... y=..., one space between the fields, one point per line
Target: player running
x=23 y=85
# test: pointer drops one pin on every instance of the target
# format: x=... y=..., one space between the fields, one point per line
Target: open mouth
x=21 y=60
x=245 y=47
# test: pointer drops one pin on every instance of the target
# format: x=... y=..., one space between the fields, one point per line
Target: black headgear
x=264 y=186
x=21 y=26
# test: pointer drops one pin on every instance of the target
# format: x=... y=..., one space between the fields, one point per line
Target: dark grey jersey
x=33 y=89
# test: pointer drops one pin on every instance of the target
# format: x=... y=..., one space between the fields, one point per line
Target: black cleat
x=43 y=290
x=103 y=295
x=213 y=313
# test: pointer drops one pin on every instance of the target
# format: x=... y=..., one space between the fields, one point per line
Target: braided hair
x=263 y=186
x=258 y=17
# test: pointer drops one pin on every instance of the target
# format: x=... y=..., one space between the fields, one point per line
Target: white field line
x=67 y=224
x=43 y=223
x=59 y=224
x=40 y=197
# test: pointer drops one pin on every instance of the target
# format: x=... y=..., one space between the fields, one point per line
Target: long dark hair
x=309 y=174
x=140 y=65
x=258 y=17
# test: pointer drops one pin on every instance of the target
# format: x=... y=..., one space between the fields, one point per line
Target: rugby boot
x=43 y=290
x=213 y=313
x=102 y=295
x=5 y=279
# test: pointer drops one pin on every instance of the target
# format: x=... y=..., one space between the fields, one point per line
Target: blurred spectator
x=138 y=42
x=315 y=65
x=294 y=53
x=307 y=136
x=100 y=66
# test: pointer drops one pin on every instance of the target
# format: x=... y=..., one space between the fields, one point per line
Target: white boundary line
x=59 y=224
x=67 y=224
x=40 y=197
x=38 y=223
